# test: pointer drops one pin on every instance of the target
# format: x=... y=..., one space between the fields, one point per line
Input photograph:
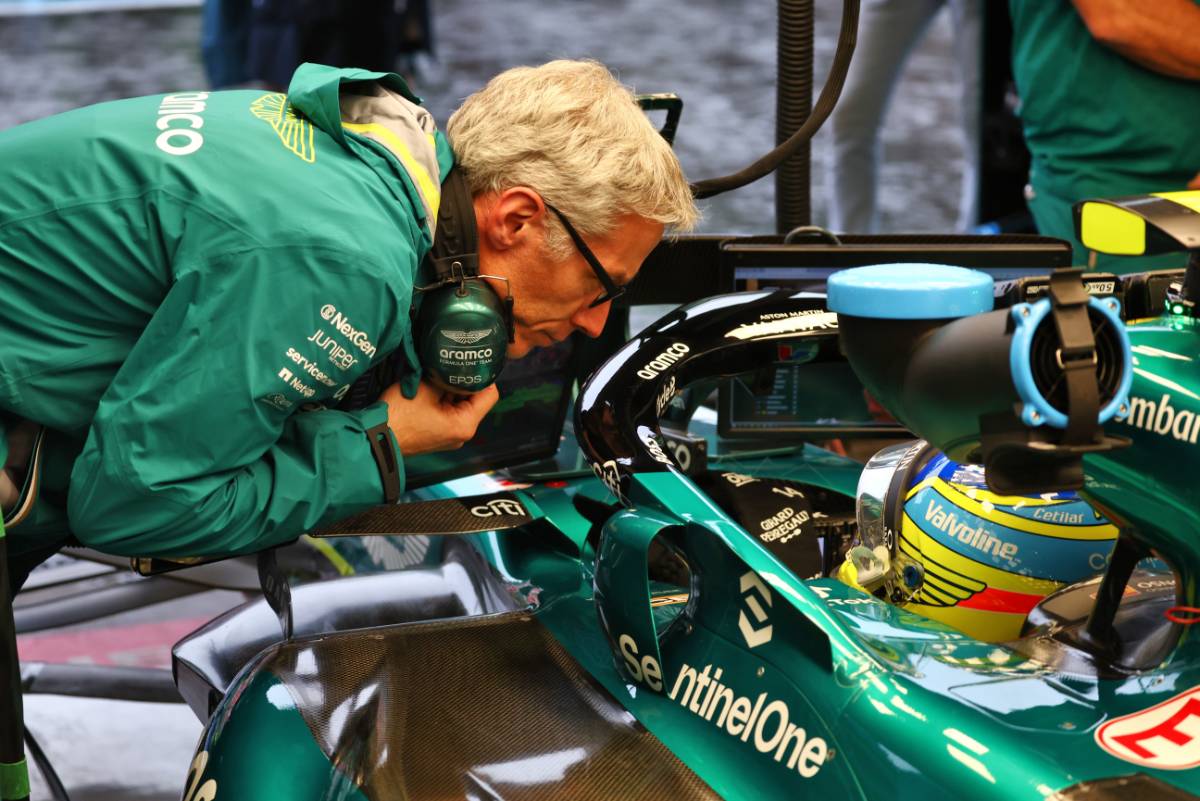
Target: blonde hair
x=570 y=131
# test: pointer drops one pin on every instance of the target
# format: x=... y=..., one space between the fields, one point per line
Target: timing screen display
x=828 y=393
x=803 y=399
x=524 y=425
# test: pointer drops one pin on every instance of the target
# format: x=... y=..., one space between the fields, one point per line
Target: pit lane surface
x=717 y=54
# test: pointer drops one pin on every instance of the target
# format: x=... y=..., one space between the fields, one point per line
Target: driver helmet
x=935 y=540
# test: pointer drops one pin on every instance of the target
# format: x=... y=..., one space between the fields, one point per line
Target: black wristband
x=385 y=460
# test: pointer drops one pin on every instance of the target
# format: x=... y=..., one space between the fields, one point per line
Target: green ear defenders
x=462 y=327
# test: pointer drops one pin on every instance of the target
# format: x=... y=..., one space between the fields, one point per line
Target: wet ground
x=719 y=55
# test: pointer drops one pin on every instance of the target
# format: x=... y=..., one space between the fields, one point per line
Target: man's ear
x=508 y=219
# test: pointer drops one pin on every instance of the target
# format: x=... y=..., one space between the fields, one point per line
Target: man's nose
x=591 y=320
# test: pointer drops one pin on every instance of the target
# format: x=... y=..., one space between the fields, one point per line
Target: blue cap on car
x=910 y=292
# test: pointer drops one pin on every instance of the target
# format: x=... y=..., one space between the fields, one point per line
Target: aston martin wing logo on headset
x=466 y=337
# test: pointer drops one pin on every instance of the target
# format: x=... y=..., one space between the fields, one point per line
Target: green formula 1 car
x=740 y=630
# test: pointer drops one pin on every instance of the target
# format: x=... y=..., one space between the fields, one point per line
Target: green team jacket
x=181 y=275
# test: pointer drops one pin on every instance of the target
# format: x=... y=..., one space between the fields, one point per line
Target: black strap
x=385 y=459
x=1076 y=355
x=455 y=252
x=1191 y=279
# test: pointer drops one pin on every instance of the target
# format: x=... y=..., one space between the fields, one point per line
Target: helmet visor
x=875 y=545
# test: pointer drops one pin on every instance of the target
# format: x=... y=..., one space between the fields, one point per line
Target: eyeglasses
x=611 y=290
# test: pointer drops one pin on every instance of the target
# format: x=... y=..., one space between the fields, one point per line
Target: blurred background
x=718 y=55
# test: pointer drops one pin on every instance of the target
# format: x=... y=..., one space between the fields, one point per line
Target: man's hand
x=433 y=420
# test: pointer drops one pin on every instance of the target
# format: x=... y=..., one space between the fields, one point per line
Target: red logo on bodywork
x=1165 y=736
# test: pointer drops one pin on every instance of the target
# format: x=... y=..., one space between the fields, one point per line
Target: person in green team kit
x=180 y=274
x=1110 y=102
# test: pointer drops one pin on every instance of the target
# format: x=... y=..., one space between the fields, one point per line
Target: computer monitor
x=525 y=425
x=812 y=393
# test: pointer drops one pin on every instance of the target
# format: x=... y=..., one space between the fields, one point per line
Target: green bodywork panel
x=891 y=704
x=1151 y=487
x=768 y=686
x=294 y=767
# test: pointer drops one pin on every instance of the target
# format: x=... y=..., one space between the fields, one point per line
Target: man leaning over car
x=182 y=273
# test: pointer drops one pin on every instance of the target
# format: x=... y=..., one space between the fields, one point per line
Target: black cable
x=54 y=784
x=793 y=103
x=830 y=93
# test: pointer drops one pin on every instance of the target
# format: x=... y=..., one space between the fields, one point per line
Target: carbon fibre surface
x=487 y=708
x=470 y=515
